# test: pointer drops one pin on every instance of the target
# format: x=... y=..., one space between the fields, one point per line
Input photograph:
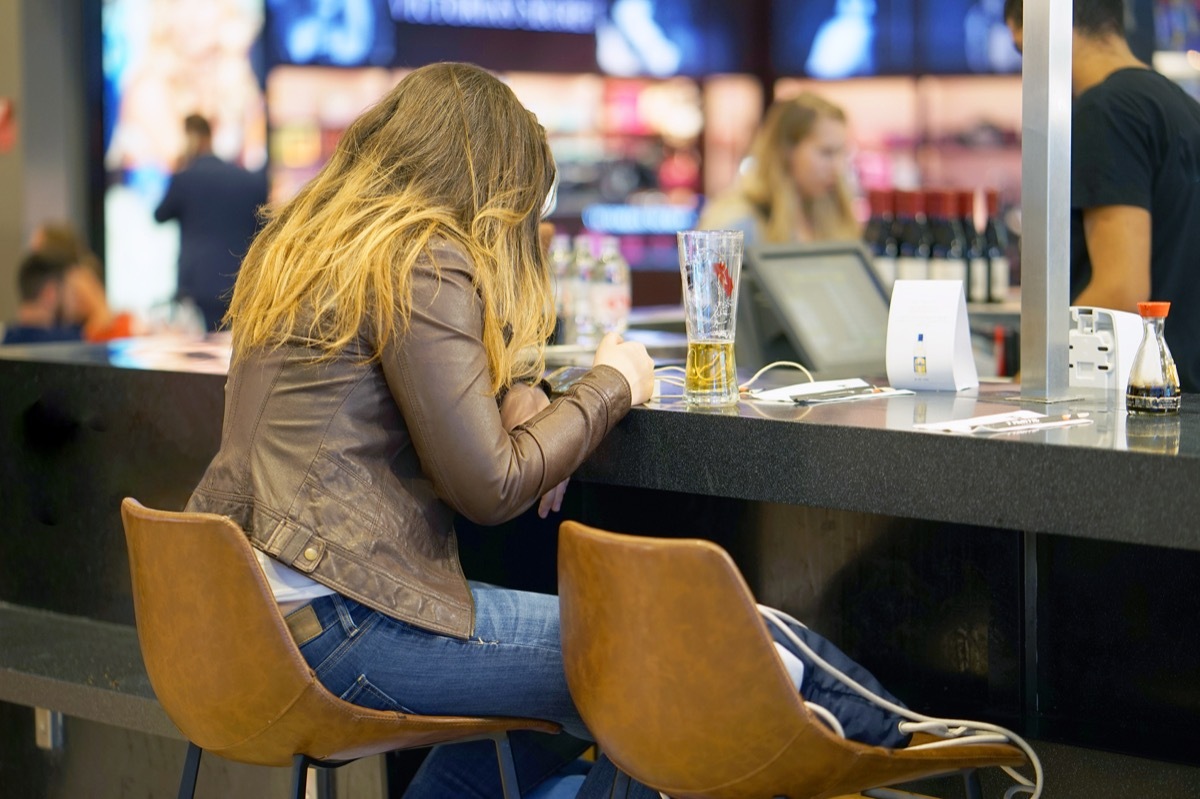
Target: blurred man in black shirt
x=1135 y=181
x=217 y=205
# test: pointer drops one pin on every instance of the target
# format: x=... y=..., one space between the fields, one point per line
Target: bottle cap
x=941 y=203
x=992 y=196
x=1154 y=310
x=966 y=203
x=881 y=201
x=910 y=204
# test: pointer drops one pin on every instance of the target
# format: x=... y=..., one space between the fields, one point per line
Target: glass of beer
x=710 y=262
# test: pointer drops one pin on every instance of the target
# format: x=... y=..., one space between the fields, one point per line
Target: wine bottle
x=879 y=236
x=948 y=243
x=912 y=257
x=996 y=241
x=976 y=255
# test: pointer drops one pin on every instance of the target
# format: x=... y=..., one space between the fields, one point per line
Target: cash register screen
x=829 y=302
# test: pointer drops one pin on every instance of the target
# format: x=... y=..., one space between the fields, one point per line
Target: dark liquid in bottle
x=1151 y=399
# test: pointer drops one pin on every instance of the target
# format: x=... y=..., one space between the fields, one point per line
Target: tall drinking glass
x=710 y=262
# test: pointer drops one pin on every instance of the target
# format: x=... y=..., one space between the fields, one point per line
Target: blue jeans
x=512 y=667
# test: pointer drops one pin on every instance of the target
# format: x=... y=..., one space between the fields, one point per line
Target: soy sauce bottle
x=1154 y=381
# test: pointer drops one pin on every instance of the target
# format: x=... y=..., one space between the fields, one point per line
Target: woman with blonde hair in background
x=85 y=302
x=792 y=188
x=388 y=327
x=793 y=185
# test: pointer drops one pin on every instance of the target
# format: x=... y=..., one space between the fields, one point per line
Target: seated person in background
x=84 y=300
x=58 y=239
x=40 y=310
x=792 y=187
x=85 y=304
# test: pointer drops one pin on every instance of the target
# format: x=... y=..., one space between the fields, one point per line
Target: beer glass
x=710 y=262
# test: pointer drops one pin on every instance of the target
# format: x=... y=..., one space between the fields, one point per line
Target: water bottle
x=611 y=293
x=587 y=332
x=562 y=269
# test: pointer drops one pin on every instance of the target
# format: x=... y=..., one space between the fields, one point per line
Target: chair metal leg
x=973 y=786
x=299 y=776
x=326 y=783
x=620 y=785
x=191 y=768
x=508 y=768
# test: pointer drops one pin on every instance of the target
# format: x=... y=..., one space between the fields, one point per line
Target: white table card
x=928 y=337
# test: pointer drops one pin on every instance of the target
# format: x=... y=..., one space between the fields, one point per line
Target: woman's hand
x=632 y=361
x=520 y=404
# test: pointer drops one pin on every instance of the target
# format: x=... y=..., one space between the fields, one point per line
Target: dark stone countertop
x=79 y=667
x=1121 y=479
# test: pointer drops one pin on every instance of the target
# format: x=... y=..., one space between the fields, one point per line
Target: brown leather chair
x=226 y=670
x=675 y=674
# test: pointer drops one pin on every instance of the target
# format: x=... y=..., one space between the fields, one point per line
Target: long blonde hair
x=767 y=186
x=449 y=154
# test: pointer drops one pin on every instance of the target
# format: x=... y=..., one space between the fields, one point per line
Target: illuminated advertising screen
x=660 y=38
x=965 y=37
x=627 y=38
x=544 y=35
x=162 y=61
x=836 y=39
x=1177 y=25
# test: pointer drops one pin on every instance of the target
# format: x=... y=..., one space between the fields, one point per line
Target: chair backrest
x=223 y=663
x=674 y=672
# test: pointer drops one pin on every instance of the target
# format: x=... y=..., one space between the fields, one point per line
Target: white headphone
x=551 y=201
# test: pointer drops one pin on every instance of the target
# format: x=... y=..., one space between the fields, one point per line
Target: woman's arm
x=520 y=404
x=438 y=375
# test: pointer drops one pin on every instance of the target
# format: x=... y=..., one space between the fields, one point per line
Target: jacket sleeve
x=168 y=209
x=437 y=373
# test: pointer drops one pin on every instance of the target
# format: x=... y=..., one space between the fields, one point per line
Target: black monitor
x=820 y=304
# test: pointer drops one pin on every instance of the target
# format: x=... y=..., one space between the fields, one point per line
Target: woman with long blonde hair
x=793 y=187
x=388 y=324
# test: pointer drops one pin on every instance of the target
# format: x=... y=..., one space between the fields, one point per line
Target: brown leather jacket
x=351 y=471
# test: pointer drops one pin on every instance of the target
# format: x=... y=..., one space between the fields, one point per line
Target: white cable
x=673 y=381
x=980 y=732
x=659 y=379
x=827 y=717
x=774 y=364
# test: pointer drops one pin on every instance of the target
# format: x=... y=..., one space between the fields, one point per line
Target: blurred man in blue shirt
x=40 y=311
x=216 y=204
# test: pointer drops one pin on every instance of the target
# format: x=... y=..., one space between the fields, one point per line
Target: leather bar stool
x=674 y=671
x=226 y=670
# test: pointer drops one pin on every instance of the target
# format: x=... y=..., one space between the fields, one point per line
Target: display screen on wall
x=164 y=60
x=1176 y=24
x=632 y=38
x=835 y=39
x=659 y=38
x=964 y=37
x=550 y=35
